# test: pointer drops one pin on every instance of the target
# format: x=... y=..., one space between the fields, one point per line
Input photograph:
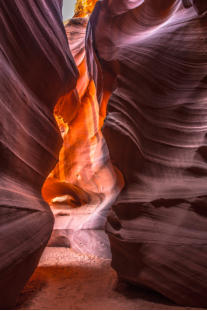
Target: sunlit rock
x=84 y=8
x=84 y=177
x=134 y=71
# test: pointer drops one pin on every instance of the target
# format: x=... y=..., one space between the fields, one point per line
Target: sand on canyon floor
x=65 y=279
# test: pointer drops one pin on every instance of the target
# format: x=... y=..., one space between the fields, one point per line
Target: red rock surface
x=84 y=178
x=156 y=129
x=144 y=66
x=37 y=68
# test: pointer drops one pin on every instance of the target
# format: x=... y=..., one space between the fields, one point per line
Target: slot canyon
x=103 y=149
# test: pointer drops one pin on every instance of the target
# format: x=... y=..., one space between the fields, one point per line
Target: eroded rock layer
x=149 y=57
x=37 y=68
x=156 y=130
x=83 y=184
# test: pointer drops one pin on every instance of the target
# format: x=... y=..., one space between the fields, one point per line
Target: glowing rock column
x=84 y=177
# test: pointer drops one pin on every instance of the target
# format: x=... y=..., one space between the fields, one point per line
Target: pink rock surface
x=36 y=69
x=156 y=129
x=148 y=57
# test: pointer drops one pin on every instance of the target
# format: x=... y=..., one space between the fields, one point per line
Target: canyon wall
x=37 y=69
x=156 y=131
x=83 y=184
x=129 y=98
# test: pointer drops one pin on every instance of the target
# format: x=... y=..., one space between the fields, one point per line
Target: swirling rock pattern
x=156 y=131
x=37 y=68
x=149 y=57
x=84 y=178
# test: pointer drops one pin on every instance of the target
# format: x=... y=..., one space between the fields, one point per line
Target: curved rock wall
x=83 y=183
x=37 y=68
x=156 y=130
x=149 y=57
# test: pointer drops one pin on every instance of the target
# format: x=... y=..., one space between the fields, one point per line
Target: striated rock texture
x=150 y=58
x=84 y=178
x=37 y=68
x=156 y=131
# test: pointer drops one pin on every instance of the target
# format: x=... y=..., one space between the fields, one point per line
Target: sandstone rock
x=156 y=129
x=37 y=68
x=84 y=178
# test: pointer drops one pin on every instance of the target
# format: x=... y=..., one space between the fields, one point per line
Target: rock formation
x=37 y=69
x=156 y=131
x=140 y=65
x=84 y=8
x=84 y=178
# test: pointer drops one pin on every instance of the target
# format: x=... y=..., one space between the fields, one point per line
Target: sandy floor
x=68 y=280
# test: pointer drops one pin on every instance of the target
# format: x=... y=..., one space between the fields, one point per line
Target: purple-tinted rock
x=36 y=69
x=156 y=131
